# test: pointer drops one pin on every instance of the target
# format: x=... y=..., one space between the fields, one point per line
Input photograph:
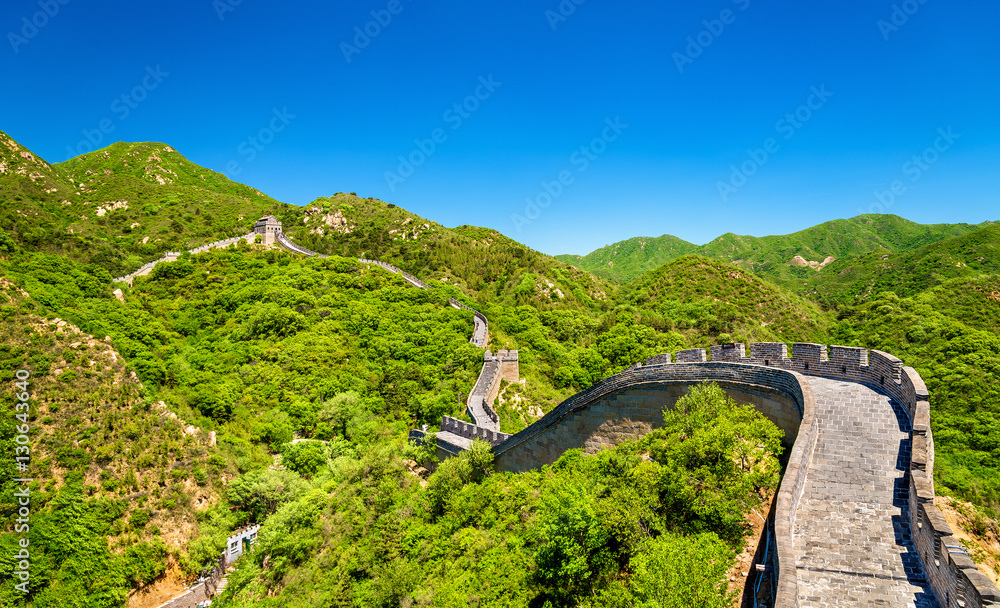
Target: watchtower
x=268 y=227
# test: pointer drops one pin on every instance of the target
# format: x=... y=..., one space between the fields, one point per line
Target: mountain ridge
x=771 y=255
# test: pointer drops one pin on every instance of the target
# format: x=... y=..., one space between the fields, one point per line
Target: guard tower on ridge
x=268 y=227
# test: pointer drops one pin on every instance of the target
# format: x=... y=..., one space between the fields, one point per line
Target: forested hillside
x=625 y=260
x=121 y=206
x=121 y=481
x=773 y=257
x=309 y=372
x=654 y=522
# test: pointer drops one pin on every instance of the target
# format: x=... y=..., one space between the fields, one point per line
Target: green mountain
x=858 y=279
x=787 y=258
x=121 y=206
x=725 y=303
x=479 y=261
x=625 y=260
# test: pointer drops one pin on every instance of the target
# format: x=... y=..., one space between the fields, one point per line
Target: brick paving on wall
x=852 y=540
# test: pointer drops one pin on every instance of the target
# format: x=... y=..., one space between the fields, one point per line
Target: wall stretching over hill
x=629 y=405
x=455 y=434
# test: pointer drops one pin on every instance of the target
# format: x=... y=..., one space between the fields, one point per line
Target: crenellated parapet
x=624 y=406
x=496 y=367
x=472 y=431
x=173 y=256
x=854 y=364
x=239 y=541
x=409 y=277
x=481 y=329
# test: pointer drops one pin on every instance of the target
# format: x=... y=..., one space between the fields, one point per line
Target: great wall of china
x=854 y=522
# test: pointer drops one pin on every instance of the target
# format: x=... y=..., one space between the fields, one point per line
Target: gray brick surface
x=852 y=538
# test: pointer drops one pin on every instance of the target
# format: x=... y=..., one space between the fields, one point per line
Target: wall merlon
x=849 y=355
x=985 y=592
x=886 y=369
x=922 y=418
x=934 y=518
x=692 y=355
x=735 y=353
x=916 y=383
x=923 y=487
x=807 y=352
x=958 y=558
x=918 y=458
x=659 y=360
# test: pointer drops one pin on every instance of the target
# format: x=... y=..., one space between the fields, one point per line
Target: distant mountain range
x=786 y=257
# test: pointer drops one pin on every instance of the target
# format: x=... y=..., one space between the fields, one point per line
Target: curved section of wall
x=173 y=255
x=287 y=243
x=631 y=403
x=409 y=277
x=625 y=406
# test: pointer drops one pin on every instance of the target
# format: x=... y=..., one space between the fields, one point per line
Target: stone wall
x=627 y=406
x=205 y=589
x=173 y=255
x=472 y=431
x=409 y=277
x=283 y=241
x=235 y=542
x=630 y=404
x=509 y=367
x=952 y=573
x=481 y=328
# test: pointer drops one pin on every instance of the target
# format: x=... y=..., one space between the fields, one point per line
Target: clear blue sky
x=692 y=111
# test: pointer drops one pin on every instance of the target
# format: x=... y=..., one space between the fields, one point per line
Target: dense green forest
x=310 y=372
x=648 y=523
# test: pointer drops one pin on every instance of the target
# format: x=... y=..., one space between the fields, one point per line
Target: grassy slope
x=166 y=194
x=110 y=464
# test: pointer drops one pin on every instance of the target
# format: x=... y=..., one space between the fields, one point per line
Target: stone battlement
x=172 y=256
x=855 y=364
x=472 y=431
x=628 y=405
x=624 y=406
